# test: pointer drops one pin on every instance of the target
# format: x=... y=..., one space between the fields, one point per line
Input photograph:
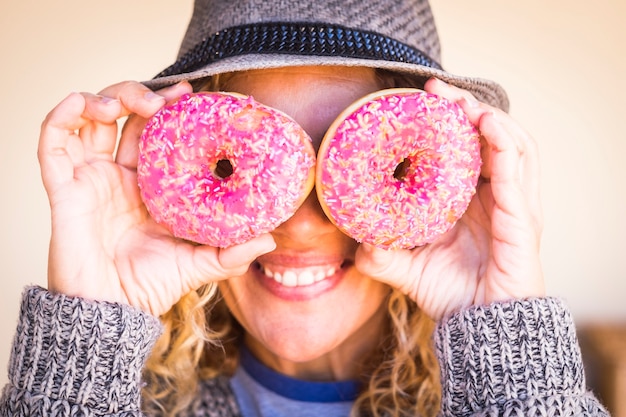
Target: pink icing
x=356 y=181
x=271 y=158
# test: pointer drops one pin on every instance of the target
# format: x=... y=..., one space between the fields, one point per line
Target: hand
x=104 y=245
x=492 y=253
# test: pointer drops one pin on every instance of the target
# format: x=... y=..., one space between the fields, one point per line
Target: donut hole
x=402 y=169
x=223 y=169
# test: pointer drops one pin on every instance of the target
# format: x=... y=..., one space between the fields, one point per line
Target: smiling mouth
x=300 y=277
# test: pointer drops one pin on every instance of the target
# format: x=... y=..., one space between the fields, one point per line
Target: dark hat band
x=297 y=39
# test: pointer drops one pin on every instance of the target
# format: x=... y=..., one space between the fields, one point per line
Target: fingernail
x=266 y=243
x=152 y=96
x=183 y=82
x=470 y=102
x=103 y=99
x=366 y=247
x=174 y=86
x=269 y=247
x=108 y=100
x=493 y=116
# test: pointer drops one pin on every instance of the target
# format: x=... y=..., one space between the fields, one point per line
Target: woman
x=231 y=339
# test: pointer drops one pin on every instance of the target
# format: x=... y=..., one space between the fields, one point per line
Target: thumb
x=393 y=267
x=239 y=257
x=374 y=262
x=209 y=264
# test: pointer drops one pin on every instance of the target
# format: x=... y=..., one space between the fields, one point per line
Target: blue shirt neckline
x=297 y=389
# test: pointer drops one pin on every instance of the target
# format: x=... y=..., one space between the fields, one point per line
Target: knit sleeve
x=519 y=358
x=71 y=357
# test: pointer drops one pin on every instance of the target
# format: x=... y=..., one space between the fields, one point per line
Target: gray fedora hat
x=236 y=35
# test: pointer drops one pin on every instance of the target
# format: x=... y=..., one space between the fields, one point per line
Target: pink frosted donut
x=398 y=168
x=220 y=168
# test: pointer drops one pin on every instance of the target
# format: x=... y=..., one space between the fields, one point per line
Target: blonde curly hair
x=201 y=339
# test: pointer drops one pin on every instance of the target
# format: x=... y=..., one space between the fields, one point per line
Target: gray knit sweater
x=76 y=358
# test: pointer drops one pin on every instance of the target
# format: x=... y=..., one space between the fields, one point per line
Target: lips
x=300 y=278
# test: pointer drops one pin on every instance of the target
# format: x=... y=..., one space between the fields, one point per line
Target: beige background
x=562 y=61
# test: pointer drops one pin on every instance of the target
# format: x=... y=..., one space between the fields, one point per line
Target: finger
x=100 y=135
x=450 y=92
x=175 y=91
x=237 y=258
x=61 y=148
x=531 y=176
x=55 y=152
x=528 y=170
x=513 y=161
x=471 y=107
x=213 y=264
x=128 y=149
x=475 y=110
x=519 y=207
x=389 y=266
x=135 y=97
x=511 y=137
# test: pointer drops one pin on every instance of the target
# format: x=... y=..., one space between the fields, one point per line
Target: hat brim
x=484 y=90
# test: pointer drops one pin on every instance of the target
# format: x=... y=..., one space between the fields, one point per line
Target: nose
x=307 y=224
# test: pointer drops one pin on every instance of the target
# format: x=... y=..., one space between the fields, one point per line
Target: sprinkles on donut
x=398 y=168
x=220 y=168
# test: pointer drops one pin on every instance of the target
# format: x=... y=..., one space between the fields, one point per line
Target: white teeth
x=299 y=277
x=320 y=276
x=306 y=278
x=268 y=272
x=290 y=279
